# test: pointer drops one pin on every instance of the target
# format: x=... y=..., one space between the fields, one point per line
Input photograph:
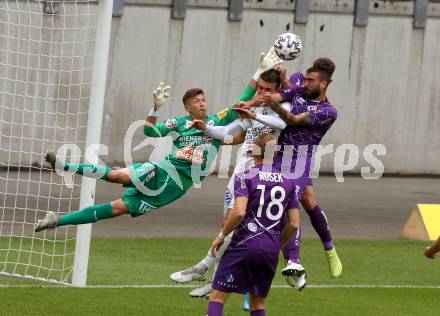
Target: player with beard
x=310 y=117
x=247 y=130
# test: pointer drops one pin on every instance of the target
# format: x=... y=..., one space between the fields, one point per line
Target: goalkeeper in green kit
x=151 y=184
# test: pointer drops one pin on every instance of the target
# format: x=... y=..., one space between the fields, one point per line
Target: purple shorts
x=302 y=183
x=244 y=270
x=304 y=179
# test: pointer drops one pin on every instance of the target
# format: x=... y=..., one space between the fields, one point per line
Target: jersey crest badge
x=171 y=123
x=252 y=227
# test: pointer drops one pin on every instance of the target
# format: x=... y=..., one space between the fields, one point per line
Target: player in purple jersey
x=263 y=197
x=309 y=119
x=269 y=82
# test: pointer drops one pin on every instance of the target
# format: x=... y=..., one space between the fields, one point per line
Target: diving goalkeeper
x=153 y=184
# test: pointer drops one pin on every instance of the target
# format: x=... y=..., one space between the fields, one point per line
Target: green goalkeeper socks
x=87 y=215
x=89 y=170
x=247 y=93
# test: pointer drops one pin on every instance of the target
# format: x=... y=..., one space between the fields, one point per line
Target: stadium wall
x=385 y=86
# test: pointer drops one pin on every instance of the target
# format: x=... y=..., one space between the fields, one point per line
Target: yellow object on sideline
x=423 y=223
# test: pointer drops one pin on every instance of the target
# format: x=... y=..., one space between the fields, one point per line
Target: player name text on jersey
x=270 y=176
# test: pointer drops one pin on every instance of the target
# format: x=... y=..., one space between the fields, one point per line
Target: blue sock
x=259 y=312
x=246 y=302
x=215 y=309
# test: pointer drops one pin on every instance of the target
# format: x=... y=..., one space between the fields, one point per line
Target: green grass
x=46 y=258
x=150 y=261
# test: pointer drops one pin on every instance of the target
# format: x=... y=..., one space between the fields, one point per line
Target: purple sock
x=215 y=309
x=291 y=250
x=259 y=312
x=320 y=224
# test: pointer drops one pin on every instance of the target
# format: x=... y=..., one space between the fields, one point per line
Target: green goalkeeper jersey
x=191 y=147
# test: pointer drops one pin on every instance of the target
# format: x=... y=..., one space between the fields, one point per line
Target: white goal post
x=53 y=66
x=94 y=125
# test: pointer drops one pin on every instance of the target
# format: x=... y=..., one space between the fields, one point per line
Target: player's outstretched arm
x=160 y=96
x=248 y=92
x=232 y=221
x=291 y=226
x=285 y=83
x=224 y=133
x=313 y=117
x=269 y=120
x=265 y=62
x=250 y=89
x=302 y=119
x=268 y=61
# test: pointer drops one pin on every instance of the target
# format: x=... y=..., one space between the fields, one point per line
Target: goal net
x=46 y=61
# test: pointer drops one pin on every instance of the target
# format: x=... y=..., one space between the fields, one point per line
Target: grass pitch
x=379 y=278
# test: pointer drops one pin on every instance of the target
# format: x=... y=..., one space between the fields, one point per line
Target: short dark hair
x=272 y=76
x=325 y=63
x=324 y=66
x=191 y=93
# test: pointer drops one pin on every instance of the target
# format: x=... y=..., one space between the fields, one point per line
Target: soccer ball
x=288 y=46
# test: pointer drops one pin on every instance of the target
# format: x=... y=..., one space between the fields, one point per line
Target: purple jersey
x=269 y=195
x=297 y=82
x=304 y=138
x=322 y=116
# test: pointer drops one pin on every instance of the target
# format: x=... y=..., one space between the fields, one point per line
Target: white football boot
x=202 y=291
x=51 y=220
x=295 y=275
x=190 y=274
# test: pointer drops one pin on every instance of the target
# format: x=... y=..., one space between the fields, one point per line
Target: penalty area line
x=173 y=286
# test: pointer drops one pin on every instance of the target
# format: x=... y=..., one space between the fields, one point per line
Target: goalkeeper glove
x=161 y=96
x=266 y=62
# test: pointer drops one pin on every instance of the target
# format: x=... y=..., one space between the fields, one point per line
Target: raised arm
x=265 y=62
x=151 y=128
x=290 y=119
x=315 y=116
x=269 y=120
x=302 y=119
x=296 y=82
x=220 y=132
x=224 y=133
x=161 y=96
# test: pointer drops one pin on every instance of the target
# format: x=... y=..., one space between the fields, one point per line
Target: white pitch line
x=172 y=286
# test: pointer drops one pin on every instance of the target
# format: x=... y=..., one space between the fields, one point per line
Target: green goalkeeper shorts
x=152 y=188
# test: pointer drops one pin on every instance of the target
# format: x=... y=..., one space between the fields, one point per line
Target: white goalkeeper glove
x=266 y=62
x=161 y=96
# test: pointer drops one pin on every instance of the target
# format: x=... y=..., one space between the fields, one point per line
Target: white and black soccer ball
x=288 y=46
